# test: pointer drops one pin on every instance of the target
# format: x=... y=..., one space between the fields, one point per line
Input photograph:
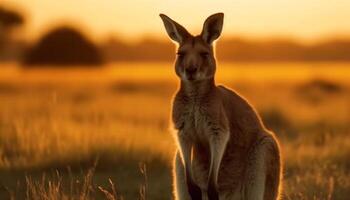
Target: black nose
x=191 y=70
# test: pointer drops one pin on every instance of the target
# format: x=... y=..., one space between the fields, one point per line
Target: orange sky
x=301 y=19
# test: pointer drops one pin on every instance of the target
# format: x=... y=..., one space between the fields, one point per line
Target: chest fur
x=196 y=119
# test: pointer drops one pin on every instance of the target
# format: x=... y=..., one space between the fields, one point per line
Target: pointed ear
x=212 y=27
x=175 y=31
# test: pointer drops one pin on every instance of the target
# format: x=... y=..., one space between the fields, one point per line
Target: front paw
x=213 y=193
x=195 y=191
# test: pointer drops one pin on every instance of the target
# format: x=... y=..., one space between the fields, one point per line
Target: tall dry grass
x=52 y=131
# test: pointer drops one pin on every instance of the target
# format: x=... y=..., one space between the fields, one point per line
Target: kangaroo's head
x=195 y=59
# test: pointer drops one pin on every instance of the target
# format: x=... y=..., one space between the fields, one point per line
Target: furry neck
x=197 y=89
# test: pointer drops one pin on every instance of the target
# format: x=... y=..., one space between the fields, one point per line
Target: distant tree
x=63 y=46
x=8 y=20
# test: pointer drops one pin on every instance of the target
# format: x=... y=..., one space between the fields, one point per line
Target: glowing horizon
x=130 y=20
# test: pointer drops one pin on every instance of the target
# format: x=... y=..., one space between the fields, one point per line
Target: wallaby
x=224 y=150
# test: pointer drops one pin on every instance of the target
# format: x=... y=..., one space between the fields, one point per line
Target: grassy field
x=105 y=133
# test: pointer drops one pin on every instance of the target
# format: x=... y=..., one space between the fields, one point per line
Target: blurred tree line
x=9 y=21
x=233 y=49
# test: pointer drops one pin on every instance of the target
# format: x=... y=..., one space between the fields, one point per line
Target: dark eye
x=204 y=54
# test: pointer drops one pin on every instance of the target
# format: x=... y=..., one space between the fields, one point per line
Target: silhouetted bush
x=323 y=85
x=317 y=90
x=63 y=46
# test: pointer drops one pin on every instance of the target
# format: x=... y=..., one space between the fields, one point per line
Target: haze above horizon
x=131 y=20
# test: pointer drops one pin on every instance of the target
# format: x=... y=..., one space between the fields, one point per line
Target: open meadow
x=105 y=133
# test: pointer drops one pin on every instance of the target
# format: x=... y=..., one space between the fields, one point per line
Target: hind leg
x=274 y=171
x=263 y=171
x=180 y=186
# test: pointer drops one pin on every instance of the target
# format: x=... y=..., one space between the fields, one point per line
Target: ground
x=77 y=134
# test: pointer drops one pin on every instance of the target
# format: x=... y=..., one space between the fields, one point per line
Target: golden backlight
x=80 y=120
x=305 y=20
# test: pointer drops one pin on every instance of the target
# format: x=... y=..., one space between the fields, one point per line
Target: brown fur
x=224 y=151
